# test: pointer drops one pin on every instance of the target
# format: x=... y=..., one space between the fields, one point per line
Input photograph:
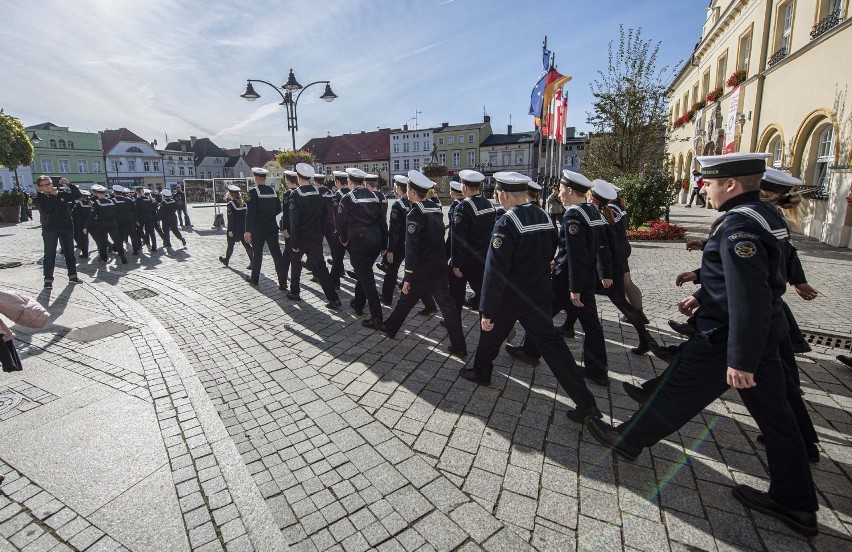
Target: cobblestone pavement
x=358 y=442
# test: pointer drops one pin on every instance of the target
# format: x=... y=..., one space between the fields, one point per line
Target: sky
x=177 y=68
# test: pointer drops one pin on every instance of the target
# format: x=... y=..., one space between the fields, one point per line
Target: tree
x=289 y=158
x=629 y=110
x=15 y=147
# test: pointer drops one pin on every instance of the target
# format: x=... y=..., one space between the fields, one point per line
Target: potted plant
x=737 y=78
x=10 y=205
x=715 y=94
x=700 y=104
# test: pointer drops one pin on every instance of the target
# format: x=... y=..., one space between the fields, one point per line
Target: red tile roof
x=109 y=138
x=351 y=148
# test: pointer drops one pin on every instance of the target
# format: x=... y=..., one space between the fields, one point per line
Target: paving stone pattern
x=29 y=395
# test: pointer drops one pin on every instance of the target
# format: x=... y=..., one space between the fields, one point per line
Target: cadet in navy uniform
x=364 y=231
x=145 y=208
x=575 y=275
x=262 y=228
x=371 y=181
x=168 y=216
x=79 y=215
x=103 y=225
x=473 y=222
x=456 y=196
x=292 y=263
x=125 y=215
x=516 y=287
x=425 y=264
x=396 y=238
x=236 y=231
x=338 y=251
x=328 y=216
x=739 y=326
x=308 y=210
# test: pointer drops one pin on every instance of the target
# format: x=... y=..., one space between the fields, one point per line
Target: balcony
x=777 y=56
x=827 y=23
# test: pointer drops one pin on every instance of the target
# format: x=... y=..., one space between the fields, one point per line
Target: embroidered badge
x=496 y=243
x=412 y=228
x=573 y=228
x=745 y=249
x=292 y=205
x=456 y=219
x=743 y=236
x=394 y=214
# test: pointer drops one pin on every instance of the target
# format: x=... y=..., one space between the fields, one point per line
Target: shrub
x=647 y=195
x=658 y=230
x=11 y=199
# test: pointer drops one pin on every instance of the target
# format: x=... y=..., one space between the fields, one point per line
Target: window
x=695 y=93
x=440 y=141
x=721 y=70
x=492 y=158
x=777 y=153
x=366 y=167
x=825 y=156
x=396 y=148
x=190 y=169
x=146 y=166
x=677 y=108
x=96 y=165
x=396 y=164
x=171 y=170
x=375 y=167
x=131 y=165
x=405 y=147
x=744 y=53
x=82 y=166
x=519 y=159
x=181 y=172
x=456 y=158
x=686 y=105
x=384 y=167
x=209 y=174
x=426 y=145
x=156 y=166
x=417 y=163
x=705 y=84
x=52 y=143
x=70 y=144
x=442 y=158
x=461 y=139
x=470 y=138
x=64 y=166
x=405 y=164
x=114 y=166
x=471 y=158
x=451 y=140
x=46 y=165
x=61 y=144
x=416 y=146
x=786 y=33
x=507 y=158
x=134 y=149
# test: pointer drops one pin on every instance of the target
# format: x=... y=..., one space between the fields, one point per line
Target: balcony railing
x=777 y=56
x=827 y=23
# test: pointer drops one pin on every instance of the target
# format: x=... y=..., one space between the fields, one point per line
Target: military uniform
x=261 y=211
x=236 y=228
x=328 y=216
x=338 y=251
x=79 y=215
x=168 y=216
x=396 y=243
x=145 y=208
x=291 y=262
x=125 y=215
x=103 y=226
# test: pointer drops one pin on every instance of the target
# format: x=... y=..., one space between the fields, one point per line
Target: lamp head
x=250 y=94
x=328 y=95
x=292 y=83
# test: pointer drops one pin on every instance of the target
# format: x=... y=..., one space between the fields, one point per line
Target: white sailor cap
x=616 y=188
x=371 y=177
x=400 y=180
x=291 y=175
x=118 y=188
x=167 y=193
x=777 y=181
x=575 y=180
x=233 y=188
x=340 y=175
x=732 y=164
x=259 y=171
x=603 y=190
x=455 y=186
x=319 y=176
x=510 y=181
x=85 y=192
x=533 y=185
x=98 y=188
x=147 y=191
x=355 y=174
x=304 y=170
x=419 y=181
x=471 y=178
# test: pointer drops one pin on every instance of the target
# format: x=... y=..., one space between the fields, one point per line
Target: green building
x=457 y=146
x=59 y=152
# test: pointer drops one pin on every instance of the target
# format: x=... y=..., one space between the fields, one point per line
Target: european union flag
x=537 y=95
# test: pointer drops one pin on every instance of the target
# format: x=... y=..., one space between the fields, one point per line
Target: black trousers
x=148 y=230
x=697 y=378
x=170 y=227
x=615 y=293
x=290 y=264
x=128 y=231
x=594 y=346
x=337 y=254
x=391 y=281
x=796 y=335
x=268 y=237
x=105 y=232
x=432 y=282
x=81 y=239
x=364 y=246
x=471 y=274
x=316 y=264
x=538 y=325
x=183 y=215
x=693 y=194
x=233 y=240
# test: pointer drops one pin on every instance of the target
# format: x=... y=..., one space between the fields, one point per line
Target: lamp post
x=287 y=99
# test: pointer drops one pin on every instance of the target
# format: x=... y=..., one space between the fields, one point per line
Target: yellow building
x=794 y=61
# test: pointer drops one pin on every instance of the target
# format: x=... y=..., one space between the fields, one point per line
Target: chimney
x=405 y=127
x=244 y=149
x=487 y=119
x=510 y=130
x=445 y=125
x=192 y=141
x=570 y=132
x=183 y=146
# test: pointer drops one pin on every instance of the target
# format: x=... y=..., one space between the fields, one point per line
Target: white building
x=130 y=160
x=25 y=178
x=409 y=149
x=177 y=165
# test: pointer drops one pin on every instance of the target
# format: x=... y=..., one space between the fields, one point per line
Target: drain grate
x=832 y=341
x=143 y=293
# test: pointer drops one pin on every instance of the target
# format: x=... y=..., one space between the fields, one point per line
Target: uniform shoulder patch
x=496 y=243
x=573 y=228
x=292 y=205
x=412 y=228
x=456 y=219
x=394 y=214
x=745 y=249
x=743 y=236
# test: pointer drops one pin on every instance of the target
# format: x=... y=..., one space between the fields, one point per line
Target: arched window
x=70 y=144
x=825 y=155
x=61 y=144
x=52 y=143
x=776 y=148
x=133 y=149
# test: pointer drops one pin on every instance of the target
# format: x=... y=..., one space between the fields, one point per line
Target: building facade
x=24 y=178
x=409 y=149
x=457 y=146
x=773 y=76
x=209 y=159
x=513 y=151
x=63 y=153
x=177 y=165
x=130 y=160
x=368 y=151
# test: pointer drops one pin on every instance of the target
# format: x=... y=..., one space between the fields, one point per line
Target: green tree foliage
x=15 y=146
x=647 y=195
x=629 y=110
x=290 y=158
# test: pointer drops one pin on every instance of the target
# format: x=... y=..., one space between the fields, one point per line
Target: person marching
x=168 y=215
x=396 y=238
x=371 y=181
x=328 y=216
x=338 y=251
x=103 y=224
x=740 y=324
x=125 y=215
x=425 y=265
x=236 y=211
x=308 y=211
x=292 y=266
x=364 y=232
x=79 y=215
x=457 y=196
x=516 y=287
x=473 y=222
x=146 y=209
x=262 y=228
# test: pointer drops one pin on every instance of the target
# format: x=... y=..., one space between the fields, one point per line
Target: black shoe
x=635 y=392
x=802 y=347
x=606 y=435
x=470 y=375
x=123 y=260
x=104 y=258
x=330 y=261
x=645 y=347
x=518 y=353
x=250 y=281
x=387 y=303
x=382 y=267
x=580 y=415
x=668 y=353
x=351 y=274
x=845 y=359
x=75 y=280
x=183 y=241
x=359 y=312
x=798 y=520
x=427 y=312
x=48 y=285
x=83 y=255
x=566 y=332
x=224 y=261
x=389 y=334
x=682 y=328
x=600 y=379
x=811 y=449
x=293 y=297
x=135 y=252
x=461 y=353
x=374 y=323
x=333 y=305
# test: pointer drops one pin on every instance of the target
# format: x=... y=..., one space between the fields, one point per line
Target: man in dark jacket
x=54 y=206
x=180 y=201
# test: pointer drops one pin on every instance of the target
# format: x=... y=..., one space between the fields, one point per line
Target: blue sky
x=178 y=67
